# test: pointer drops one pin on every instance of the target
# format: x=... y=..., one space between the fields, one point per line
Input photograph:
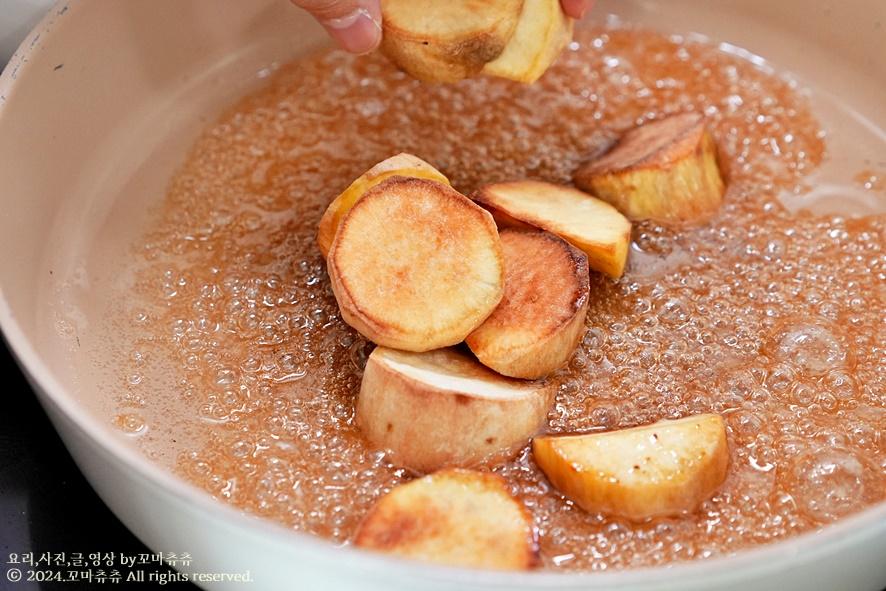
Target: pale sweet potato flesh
x=447 y=41
x=663 y=469
x=542 y=33
x=593 y=226
x=442 y=408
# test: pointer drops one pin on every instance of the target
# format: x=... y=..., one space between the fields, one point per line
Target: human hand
x=356 y=24
x=577 y=8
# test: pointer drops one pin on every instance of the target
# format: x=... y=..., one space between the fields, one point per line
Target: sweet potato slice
x=454 y=518
x=402 y=164
x=442 y=408
x=592 y=225
x=447 y=41
x=666 y=468
x=542 y=33
x=415 y=265
x=665 y=170
x=541 y=317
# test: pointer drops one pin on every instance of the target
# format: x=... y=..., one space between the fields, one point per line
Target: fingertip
x=577 y=8
x=359 y=32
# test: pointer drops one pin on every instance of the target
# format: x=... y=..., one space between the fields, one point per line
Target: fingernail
x=359 y=32
x=577 y=9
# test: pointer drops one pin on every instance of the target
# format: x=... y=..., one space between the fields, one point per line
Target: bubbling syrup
x=771 y=318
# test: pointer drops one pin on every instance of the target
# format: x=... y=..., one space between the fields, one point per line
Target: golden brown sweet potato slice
x=541 y=317
x=442 y=408
x=416 y=265
x=455 y=518
x=665 y=170
x=447 y=41
x=666 y=468
x=402 y=164
x=593 y=226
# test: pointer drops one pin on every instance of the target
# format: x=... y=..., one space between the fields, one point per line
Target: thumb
x=577 y=8
x=354 y=24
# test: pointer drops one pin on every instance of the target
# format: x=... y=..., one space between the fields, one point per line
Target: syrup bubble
x=830 y=483
x=812 y=347
x=131 y=423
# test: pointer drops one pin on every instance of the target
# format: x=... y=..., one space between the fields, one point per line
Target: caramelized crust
x=657 y=144
x=447 y=41
x=415 y=265
x=540 y=319
x=402 y=164
x=665 y=170
x=453 y=517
